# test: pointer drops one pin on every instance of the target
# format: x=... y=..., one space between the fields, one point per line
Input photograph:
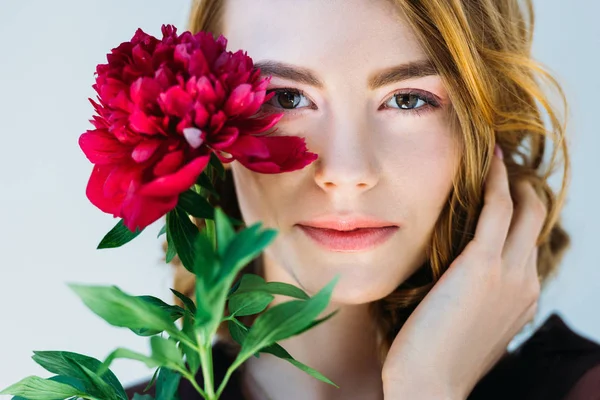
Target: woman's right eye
x=288 y=99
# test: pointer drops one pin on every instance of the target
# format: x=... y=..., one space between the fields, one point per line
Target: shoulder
x=555 y=363
x=223 y=356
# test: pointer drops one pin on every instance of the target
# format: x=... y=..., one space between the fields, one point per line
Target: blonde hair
x=482 y=51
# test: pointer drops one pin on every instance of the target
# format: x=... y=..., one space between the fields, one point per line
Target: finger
x=528 y=220
x=494 y=220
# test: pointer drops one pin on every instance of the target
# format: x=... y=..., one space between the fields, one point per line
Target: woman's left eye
x=410 y=101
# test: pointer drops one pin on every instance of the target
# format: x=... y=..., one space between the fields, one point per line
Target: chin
x=358 y=284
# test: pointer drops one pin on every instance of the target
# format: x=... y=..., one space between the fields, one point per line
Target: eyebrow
x=398 y=73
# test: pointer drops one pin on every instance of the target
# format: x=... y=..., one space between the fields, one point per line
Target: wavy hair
x=482 y=51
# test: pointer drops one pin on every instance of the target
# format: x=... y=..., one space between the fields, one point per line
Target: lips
x=348 y=234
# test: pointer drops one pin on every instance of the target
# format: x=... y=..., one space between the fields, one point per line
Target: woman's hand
x=464 y=324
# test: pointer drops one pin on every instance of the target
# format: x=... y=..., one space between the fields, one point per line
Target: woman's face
x=381 y=131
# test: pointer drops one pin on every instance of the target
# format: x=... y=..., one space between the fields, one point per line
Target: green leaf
x=120 y=309
x=318 y=321
x=171 y=250
x=206 y=184
x=98 y=387
x=166 y=352
x=244 y=247
x=239 y=333
x=175 y=312
x=195 y=205
x=68 y=380
x=162 y=231
x=128 y=354
x=205 y=266
x=69 y=364
x=285 y=320
x=36 y=388
x=167 y=384
x=249 y=303
x=183 y=233
x=191 y=355
x=189 y=303
x=137 y=396
x=225 y=231
x=312 y=372
x=217 y=166
x=118 y=236
x=252 y=282
x=149 y=385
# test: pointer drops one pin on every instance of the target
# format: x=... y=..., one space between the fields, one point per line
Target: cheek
x=264 y=198
x=423 y=156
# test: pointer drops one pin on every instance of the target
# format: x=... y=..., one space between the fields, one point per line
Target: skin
x=378 y=157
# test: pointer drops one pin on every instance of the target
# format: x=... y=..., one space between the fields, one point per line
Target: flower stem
x=230 y=370
x=192 y=380
x=207 y=370
x=211 y=232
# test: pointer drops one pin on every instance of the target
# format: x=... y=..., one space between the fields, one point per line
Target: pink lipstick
x=348 y=234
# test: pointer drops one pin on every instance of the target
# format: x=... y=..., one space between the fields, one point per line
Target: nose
x=346 y=163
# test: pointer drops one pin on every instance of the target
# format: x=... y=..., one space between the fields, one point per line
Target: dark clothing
x=555 y=363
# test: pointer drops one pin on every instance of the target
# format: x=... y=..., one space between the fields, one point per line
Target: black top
x=555 y=363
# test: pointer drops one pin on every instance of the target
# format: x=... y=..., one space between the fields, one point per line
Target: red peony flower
x=163 y=107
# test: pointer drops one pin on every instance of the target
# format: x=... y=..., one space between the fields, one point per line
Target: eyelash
x=429 y=100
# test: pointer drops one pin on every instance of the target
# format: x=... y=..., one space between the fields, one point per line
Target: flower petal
x=175 y=101
x=140 y=211
x=169 y=163
x=178 y=182
x=225 y=138
x=248 y=146
x=142 y=123
x=252 y=126
x=95 y=191
x=285 y=154
x=145 y=149
x=240 y=98
x=100 y=147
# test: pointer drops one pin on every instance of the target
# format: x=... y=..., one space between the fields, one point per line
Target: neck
x=344 y=349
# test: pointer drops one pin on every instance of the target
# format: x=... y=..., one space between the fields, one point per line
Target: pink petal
x=248 y=146
x=200 y=115
x=286 y=153
x=120 y=180
x=95 y=191
x=252 y=126
x=178 y=182
x=175 y=101
x=169 y=164
x=145 y=149
x=140 y=211
x=144 y=90
x=194 y=136
x=225 y=138
x=206 y=93
x=238 y=100
x=142 y=123
x=198 y=65
x=100 y=147
x=217 y=121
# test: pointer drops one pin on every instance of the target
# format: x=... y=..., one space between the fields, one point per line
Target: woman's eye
x=288 y=99
x=408 y=101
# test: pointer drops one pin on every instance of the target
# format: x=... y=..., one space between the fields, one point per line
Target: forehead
x=324 y=35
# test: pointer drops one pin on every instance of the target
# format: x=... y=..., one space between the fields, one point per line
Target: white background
x=49 y=231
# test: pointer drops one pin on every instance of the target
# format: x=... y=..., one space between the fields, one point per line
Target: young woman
x=429 y=197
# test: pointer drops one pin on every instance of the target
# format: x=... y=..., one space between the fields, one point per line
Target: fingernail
x=498 y=152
